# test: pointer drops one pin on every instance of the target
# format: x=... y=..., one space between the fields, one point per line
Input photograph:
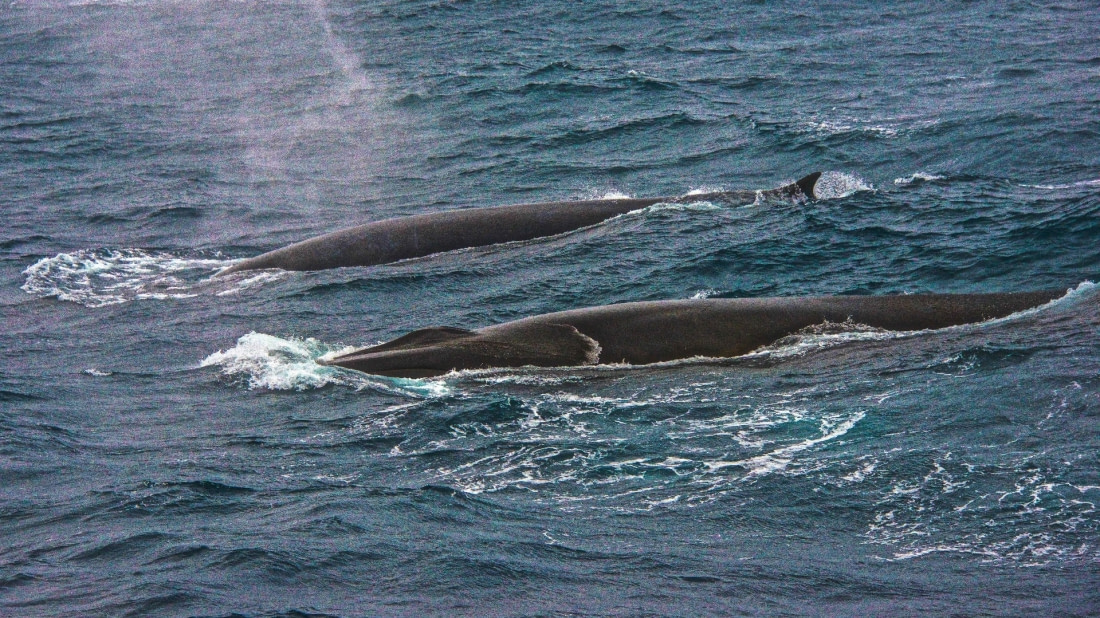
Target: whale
x=391 y=240
x=641 y=333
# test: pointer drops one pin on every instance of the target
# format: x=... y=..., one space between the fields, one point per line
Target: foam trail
x=102 y=277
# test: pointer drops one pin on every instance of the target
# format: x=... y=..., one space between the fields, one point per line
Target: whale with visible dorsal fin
x=391 y=240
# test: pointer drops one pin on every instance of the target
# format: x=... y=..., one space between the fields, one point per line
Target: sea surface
x=169 y=447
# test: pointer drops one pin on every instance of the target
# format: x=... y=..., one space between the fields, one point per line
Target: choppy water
x=169 y=447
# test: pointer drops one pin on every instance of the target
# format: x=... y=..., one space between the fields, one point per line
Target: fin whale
x=390 y=240
x=655 y=331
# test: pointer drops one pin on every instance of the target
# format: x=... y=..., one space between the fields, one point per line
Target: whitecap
x=1066 y=186
x=884 y=130
x=1072 y=185
x=918 y=177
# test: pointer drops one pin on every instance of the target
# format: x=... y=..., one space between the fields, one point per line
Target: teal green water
x=168 y=446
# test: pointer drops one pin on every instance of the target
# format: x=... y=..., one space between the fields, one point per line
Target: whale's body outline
x=648 y=332
x=392 y=240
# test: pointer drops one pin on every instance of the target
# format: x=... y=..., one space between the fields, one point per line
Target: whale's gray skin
x=382 y=242
x=656 y=331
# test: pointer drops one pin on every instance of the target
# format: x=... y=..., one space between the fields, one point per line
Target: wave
x=912 y=513
x=883 y=130
x=530 y=449
x=918 y=177
x=1062 y=187
x=778 y=459
x=659 y=122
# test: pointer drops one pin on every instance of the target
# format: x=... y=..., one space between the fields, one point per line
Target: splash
x=834 y=185
x=1083 y=292
x=704 y=294
x=273 y=363
x=702 y=206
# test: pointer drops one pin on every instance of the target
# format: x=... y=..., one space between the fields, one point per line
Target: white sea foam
x=274 y=363
x=1085 y=291
x=98 y=373
x=825 y=335
x=687 y=206
x=704 y=191
x=528 y=453
x=983 y=522
x=779 y=459
x=917 y=177
x=103 y=277
x=834 y=185
x=1072 y=185
x=701 y=294
x=889 y=129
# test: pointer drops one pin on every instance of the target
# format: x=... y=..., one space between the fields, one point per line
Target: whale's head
x=435 y=351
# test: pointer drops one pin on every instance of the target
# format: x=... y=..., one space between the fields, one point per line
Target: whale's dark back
x=650 y=332
x=391 y=240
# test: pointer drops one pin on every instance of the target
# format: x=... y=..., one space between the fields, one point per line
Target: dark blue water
x=169 y=447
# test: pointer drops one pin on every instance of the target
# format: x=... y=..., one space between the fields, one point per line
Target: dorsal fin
x=807 y=183
x=421 y=338
x=803 y=187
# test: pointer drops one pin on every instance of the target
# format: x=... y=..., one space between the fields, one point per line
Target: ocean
x=170 y=447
